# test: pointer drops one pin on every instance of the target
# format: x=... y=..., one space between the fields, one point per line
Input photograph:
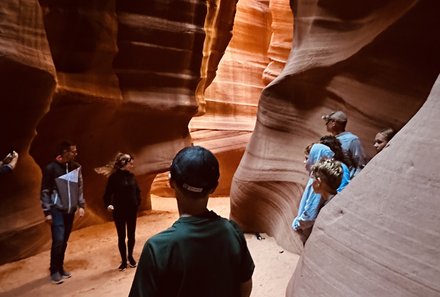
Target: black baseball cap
x=195 y=169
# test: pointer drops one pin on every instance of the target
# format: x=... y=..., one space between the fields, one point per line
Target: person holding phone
x=8 y=163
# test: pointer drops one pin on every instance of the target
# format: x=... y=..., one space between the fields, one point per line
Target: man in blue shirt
x=335 y=123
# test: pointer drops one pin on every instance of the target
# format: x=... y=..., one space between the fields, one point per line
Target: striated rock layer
x=27 y=81
x=376 y=60
x=247 y=66
x=118 y=75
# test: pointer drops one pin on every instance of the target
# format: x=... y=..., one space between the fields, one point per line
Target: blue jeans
x=62 y=223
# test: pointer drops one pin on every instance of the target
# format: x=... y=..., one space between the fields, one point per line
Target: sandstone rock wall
x=108 y=75
x=260 y=45
x=376 y=60
x=27 y=82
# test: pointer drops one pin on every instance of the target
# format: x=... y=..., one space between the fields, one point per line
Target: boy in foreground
x=201 y=254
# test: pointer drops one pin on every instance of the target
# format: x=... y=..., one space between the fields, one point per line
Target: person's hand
x=48 y=219
x=14 y=159
x=8 y=158
x=110 y=208
x=81 y=212
x=11 y=159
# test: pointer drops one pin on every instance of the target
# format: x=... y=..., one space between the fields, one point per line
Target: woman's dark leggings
x=122 y=219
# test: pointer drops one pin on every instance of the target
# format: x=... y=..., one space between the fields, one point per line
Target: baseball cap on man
x=338 y=116
x=195 y=169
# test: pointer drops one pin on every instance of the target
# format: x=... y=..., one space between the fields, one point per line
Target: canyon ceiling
x=249 y=80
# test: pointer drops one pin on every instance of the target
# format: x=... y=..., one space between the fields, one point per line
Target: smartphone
x=8 y=158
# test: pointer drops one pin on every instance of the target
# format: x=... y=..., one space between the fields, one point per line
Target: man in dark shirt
x=201 y=254
x=61 y=196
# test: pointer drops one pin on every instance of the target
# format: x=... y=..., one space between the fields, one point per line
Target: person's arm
x=247 y=266
x=9 y=164
x=5 y=169
x=81 y=200
x=145 y=281
x=47 y=184
x=246 y=288
x=345 y=178
x=357 y=152
x=108 y=194
x=14 y=160
x=308 y=190
x=311 y=209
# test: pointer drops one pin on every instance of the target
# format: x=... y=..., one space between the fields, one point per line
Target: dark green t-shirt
x=203 y=255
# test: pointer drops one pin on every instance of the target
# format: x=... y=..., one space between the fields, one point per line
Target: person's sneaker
x=123 y=266
x=131 y=262
x=65 y=274
x=56 y=278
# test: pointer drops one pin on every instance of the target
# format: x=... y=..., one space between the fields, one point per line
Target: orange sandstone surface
x=248 y=80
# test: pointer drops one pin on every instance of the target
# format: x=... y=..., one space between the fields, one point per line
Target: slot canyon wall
x=108 y=75
x=378 y=61
x=131 y=75
x=247 y=66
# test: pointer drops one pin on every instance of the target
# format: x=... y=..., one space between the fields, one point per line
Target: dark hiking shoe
x=56 y=278
x=122 y=267
x=131 y=262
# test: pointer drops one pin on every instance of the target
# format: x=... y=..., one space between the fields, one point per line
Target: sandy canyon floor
x=92 y=257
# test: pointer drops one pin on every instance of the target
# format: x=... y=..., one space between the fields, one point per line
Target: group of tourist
x=62 y=196
x=201 y=254
x=331 y=163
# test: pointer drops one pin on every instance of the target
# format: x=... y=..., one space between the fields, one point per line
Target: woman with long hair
x=335 y=145
x=122 y=198
x=382 y=138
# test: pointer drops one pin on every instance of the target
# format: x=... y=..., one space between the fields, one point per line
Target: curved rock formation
x=129 y=77
x=376 y=60
x=248 y=65
x=380 y=236
x=27 y=81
